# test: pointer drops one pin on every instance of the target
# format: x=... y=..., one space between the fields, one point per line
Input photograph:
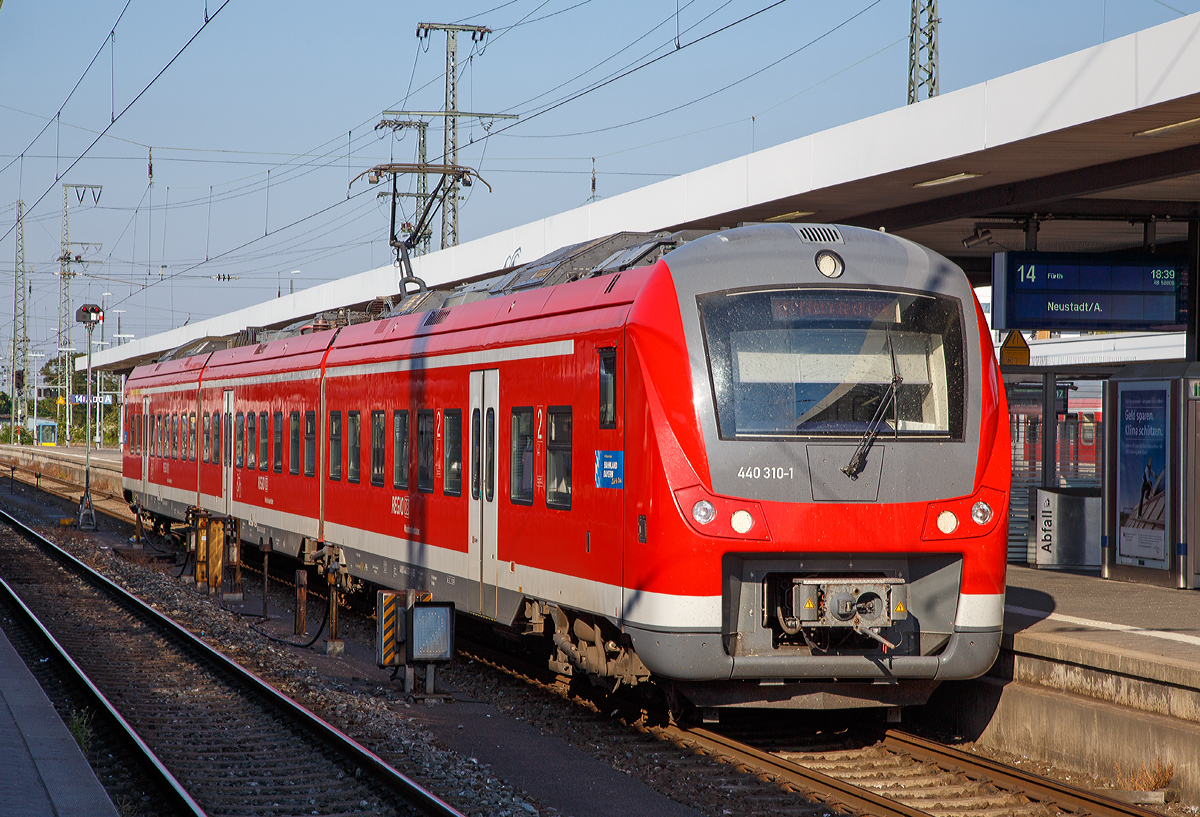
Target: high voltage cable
x=132 y=102
x=75 y=87
x=735 y=83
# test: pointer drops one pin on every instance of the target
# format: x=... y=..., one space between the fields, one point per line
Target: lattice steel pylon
x=20 y=362
x=922 y=51
x=452 y=114
x=66 y=315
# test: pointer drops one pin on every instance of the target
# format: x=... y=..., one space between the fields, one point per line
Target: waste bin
x=1064 y=527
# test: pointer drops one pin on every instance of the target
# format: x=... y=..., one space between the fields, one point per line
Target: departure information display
x=1080 y=292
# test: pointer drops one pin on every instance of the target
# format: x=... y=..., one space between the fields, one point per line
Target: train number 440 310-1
x=769 y=472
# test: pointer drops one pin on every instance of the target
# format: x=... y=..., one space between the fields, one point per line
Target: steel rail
x=1018 y=781
x=398 y=783
x=809 y=780
x=183 y=800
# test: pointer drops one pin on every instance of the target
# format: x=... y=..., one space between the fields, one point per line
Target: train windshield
x=816 y=361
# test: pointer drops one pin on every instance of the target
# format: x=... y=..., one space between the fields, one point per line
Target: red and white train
x=765 y=466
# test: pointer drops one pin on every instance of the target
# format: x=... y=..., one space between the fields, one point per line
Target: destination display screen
x=1083 y=292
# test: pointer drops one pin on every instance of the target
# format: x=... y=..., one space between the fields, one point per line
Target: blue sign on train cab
x=610 y=469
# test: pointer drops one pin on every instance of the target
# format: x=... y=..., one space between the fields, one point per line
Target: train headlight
x=947 y=522
x=741 y=521
x=981 y=512
x=830 y=264
x=704 y=512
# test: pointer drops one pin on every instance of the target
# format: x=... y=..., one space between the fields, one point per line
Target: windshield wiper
x=858 y=459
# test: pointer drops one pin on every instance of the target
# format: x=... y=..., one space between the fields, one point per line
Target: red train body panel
x=606 y=456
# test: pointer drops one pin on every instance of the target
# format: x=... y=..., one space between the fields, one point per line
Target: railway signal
x=89 y=315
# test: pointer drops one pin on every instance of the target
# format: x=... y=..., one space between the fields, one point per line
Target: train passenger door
x=227 y=456
x=483 y=499
x=144 y=439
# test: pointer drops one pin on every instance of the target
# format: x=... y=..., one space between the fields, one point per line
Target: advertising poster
x=1142 y=475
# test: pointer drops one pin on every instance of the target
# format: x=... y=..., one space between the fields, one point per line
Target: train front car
x=819 y=517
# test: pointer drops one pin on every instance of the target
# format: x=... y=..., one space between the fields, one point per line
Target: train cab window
x=475 y=444
x=335 y=445
x=294 y=443
x=425 y=450
x=521 y=462
x=608 y=388
x=558 y=458
x=239 y=458
x=378 y=447
x=207 y=449
x=277 y=420
x=264 y=443
x=310 y=443
x=820 y=361
x=251 y=441
x=175 y=438
x=192 y=437
x=353 y=445
x=400 y=448
x=452 y=452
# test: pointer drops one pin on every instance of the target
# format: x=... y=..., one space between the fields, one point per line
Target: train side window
x=228 y=439
x=264 y=443
x=475 y=444
x=608 y=388
x=400 y=448
x=207 y=449
x=175 y=438
x=277 y=420
x=192 y=437
x=558 y=458
x=251 y=441
x=1087 y=433
x=239 y=458
x=378 y=447
x=335 y=445
x=216 y=442
x=353 y=445
x=489 y=458
x=294 y=443
x=521 y=460
x=425 y=450
x=153 y=435
x=310 y=443
x=452 y=452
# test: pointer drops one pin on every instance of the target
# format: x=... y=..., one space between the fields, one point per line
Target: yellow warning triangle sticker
x=899 y=607
x=808 y=605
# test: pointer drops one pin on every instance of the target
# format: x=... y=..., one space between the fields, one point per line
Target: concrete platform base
x=1074 y=731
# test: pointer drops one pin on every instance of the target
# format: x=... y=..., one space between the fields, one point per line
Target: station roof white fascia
x=1148 y=68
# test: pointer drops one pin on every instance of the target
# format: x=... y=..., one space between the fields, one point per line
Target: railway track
x=893 y=774
x=222 y=741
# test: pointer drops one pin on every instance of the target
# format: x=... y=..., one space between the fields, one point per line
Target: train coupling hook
x=871 y=632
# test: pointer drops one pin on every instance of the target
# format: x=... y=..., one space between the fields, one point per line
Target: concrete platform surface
x=110 y=457
x=44 y=772
x=1141 y=631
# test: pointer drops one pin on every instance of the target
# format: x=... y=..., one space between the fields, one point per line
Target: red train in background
x=766 y=466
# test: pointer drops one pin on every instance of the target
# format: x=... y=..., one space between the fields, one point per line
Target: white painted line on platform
x=1104 y=625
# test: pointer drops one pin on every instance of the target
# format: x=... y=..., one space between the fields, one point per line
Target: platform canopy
x=1091 y=147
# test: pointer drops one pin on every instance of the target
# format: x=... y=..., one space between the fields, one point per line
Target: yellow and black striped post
x=387 y=617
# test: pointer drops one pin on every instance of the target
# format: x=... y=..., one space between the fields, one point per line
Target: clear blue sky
x=260 y=122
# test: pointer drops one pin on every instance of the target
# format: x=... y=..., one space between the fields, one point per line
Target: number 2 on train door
x=539 y=449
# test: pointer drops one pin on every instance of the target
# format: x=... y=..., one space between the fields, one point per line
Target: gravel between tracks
x=375 y=714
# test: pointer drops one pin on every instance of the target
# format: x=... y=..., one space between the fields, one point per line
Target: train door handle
x=474 y=539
